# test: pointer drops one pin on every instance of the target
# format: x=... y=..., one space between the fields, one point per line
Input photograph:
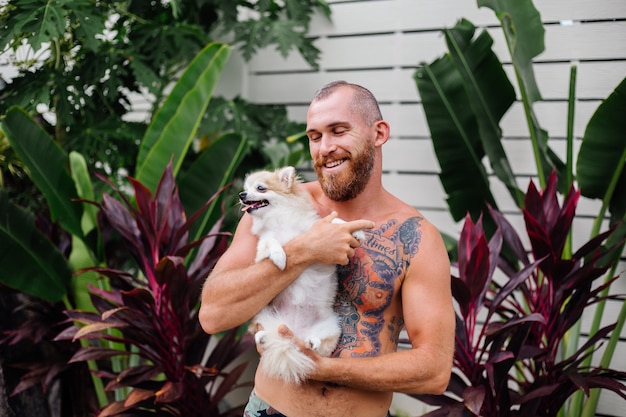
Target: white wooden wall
x=379 y=44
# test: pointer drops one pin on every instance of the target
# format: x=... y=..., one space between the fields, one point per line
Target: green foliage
x=82 y=63
x=600 y=162
x=174 y=127
x=30 y=262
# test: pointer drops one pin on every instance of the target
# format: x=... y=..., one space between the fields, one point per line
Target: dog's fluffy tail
x=282 y=359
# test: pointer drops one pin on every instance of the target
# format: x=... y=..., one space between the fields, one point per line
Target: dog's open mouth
x=249 y=206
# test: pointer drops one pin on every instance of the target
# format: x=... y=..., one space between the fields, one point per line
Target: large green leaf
x=600 y=165
x=47 y=164
x=490 y=94
x=455 y=138
x=213 y=169
x=29 y=262
x=82 y=180
x=524 y=34
x=175 y=124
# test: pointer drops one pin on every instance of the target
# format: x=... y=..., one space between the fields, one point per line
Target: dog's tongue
x=250 y=206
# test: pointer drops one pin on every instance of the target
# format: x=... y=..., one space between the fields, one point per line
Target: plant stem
x=591 y=404
x=91 y=364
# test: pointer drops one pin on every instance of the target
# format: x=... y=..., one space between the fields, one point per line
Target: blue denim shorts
x=256 y=407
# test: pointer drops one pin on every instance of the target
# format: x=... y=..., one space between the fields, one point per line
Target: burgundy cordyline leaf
x=112 y=409
x=533 y=203
x=609 y=381
x=467 y=241
x=540 y=242
x=473 y=398
x=497 y=327
x=121 y=220
x=133 y=376
x=169 y=392
x=461 y=294
x=511 y=285
x=96 y=353
x=563 y=225
x=550 y=207
x=138 y=395
x=542 y=391
x=509 y=235
x=473 y=262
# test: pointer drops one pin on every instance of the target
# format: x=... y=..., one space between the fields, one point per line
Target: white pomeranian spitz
x=281 y=210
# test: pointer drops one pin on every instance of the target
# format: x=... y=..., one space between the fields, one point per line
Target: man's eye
x=261 y=188
x=340 y=131
x=314 y=138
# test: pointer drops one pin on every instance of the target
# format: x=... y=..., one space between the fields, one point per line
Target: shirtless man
x=398 y=277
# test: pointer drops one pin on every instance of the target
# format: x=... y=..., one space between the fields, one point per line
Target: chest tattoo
x=368 y=283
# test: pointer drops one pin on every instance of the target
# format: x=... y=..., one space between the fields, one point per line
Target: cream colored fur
x=306 y=305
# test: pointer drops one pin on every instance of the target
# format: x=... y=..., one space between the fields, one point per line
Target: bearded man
x=397 y=278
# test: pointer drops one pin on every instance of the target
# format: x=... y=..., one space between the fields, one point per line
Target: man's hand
x=286 y=332
x=332 y=243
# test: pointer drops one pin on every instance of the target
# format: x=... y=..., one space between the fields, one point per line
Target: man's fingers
x=356 y=225
x=332 y=216
x=285 y=331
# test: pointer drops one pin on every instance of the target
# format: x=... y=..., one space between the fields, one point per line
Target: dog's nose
x=242 y=195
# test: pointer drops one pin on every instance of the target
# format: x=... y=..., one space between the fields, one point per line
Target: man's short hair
x=363 y=102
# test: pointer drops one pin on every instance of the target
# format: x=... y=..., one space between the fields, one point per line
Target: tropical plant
x=466 y=92
x=151 y=311
x=83 y=64
x=511 y=364
x=36 y=266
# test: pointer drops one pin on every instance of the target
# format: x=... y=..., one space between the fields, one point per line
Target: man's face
x=342 y=146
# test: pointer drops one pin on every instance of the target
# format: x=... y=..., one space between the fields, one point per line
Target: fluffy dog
x=280 y=211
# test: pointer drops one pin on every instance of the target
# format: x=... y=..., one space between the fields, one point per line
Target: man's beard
x=348 y=183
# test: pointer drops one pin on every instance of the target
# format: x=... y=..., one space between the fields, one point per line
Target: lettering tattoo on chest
x=368 y=284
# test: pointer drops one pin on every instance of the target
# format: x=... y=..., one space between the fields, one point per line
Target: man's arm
x=428 y=311
x=238 y=288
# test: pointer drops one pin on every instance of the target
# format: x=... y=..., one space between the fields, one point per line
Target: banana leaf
x=29 y=262
x=174 y=126
x=212 y=171
x=453 y=122
x=490 y=94
x=602 y=154
x=524 y=34
x=47 y=165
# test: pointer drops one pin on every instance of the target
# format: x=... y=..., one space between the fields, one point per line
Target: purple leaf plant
x=148 y=321
x=512 y=317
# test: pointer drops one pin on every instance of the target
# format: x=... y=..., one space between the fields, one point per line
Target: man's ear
x=382 y=132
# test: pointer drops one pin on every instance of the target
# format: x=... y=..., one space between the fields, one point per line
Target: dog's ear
x=287 y=176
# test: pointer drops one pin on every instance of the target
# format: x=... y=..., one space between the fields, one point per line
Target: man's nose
x=327 y=145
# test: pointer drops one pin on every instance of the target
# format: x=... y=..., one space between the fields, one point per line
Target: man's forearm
x=409 y=371
x=230 y=297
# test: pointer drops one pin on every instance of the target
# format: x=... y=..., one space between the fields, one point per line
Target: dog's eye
x=261 y=188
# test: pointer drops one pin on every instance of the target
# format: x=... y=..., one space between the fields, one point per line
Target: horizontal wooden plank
x=595 y=80
x=398 y=15
x=589 y=41
x=403 y=15
x=408 y=120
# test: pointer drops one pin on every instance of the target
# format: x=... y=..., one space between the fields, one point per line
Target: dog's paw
x=259 y=337
x=359 y=235
x=279 y=258
x=313 y=343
